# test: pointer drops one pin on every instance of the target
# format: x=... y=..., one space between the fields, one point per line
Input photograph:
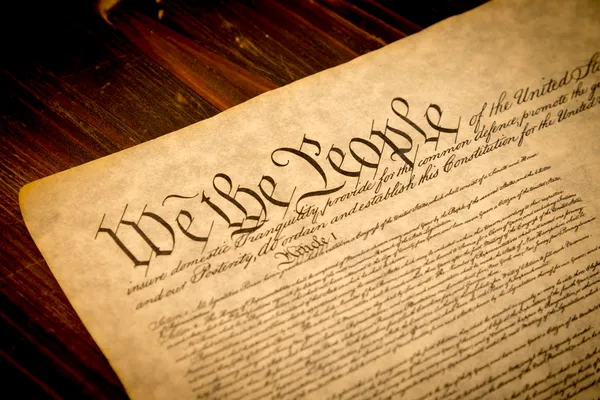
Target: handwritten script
x=421 y=223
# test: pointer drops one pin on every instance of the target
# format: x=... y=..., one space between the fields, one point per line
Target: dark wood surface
x=76 y=87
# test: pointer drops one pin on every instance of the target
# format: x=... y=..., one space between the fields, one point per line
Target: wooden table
x=77 y=87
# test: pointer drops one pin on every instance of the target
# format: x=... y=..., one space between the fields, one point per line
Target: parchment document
x=421 y=222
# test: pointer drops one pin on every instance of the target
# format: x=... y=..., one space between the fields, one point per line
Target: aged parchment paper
x=419 y=223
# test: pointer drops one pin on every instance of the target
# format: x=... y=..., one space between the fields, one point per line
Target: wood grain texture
x=75 y=88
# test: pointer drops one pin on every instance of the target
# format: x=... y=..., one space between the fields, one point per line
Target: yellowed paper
x=418 y=223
